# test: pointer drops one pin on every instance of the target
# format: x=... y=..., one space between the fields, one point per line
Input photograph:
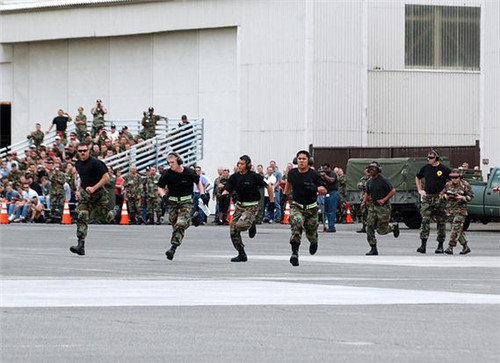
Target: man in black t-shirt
x=91 y=195
x=305 y=183
x=61 y=122
x=379 y=191
x=178 y=180
x=433 y=204
x=246 y=184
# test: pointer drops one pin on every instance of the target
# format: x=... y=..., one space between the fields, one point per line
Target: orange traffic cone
x=124 y=219
x=4 y=218
x=348 y=218
x=66 y=218
x=231 y=212
x=287 y=213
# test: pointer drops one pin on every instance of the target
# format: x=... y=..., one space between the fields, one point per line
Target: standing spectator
x=216 y=193
x=277 y=191
x=57 y=194
x=132 y=194
x=98 y=112
x=37 y=136
x=458 y=193
x=363 y=210
x=207 y=186
x=260 y=213
x=222 y=200
x=153 y=198
x=81 y=124
x=119 y=189
x=332 y=196
x=341 y=210
x=270 y=180
x=379 y=191
x=91 y=194
x=61 y=122
x=433 y=205
x=149 y=121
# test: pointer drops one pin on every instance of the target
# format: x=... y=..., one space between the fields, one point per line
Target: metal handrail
x=134 y=126
x=186 y=140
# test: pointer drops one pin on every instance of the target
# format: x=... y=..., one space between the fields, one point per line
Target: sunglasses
x=454 y=176
x=83 y=151
x=430 y=157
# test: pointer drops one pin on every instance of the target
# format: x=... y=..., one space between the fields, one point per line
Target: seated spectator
x=21 y=207
x=36 y=212
x=11 y=197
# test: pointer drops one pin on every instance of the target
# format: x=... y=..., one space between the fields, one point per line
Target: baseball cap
x=58 y=137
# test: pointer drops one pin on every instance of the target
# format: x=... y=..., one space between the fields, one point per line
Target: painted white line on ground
x=410 y=261
x=73 y=293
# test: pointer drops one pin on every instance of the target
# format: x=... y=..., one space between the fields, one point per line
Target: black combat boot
x=313 y=247
x=373 y=251
x=439 y=248
x=449 y=250
x=294 y=258
x=395 y=230
x=242 y=256
x=465 y=250
x=252 y=231
x=423 y=246
x=79 y=249
x=171 y=252
x=362 y=230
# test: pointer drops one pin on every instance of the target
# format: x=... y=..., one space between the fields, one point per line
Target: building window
x=442 y=37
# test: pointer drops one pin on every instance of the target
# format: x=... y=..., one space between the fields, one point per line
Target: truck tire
x=413 y=220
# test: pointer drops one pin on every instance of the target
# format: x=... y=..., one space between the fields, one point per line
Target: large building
x=269 y=77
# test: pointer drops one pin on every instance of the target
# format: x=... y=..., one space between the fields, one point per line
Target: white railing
x=186 y=140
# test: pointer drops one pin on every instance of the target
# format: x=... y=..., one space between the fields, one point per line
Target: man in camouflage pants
x=98 y=111
x=458 y=193
x=304 y=183
x=149 y=121
x=91 y=195
x=433 y=204
x=37 y=136
x=133 y=186
x=379 y=191
x=245 y=183
x=179 y=182
x=363 y=210
x=153 y=199
x=57 y=196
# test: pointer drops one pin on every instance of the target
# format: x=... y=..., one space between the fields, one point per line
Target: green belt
x=248 y=204
x=179 y=199
x=306 y=206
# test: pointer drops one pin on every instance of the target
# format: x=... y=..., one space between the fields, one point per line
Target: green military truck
x=401 y=172
x=485 y=207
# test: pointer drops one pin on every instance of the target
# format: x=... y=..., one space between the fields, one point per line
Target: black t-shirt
x=178 y=184
x=378 y=188
x=305 y=185
x=246 y=186
x=61 y=123
x=435 y=177
x=90 y=171
x=37 y=188
x=332 y=187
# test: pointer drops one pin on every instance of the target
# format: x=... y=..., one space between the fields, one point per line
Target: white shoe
x=11 y=217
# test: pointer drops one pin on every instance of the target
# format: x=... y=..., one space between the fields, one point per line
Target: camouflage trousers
x=433 y=205
x=134 y=208
x=98 y=204
x=363 y=214
x=57 y=204
x=179 y=216
x=341 y=209
x=80 y=133
x=303 y=220
x=154 y=207
x=242 y=220
x=147 y=133
x=457 y=229
x=378 y=220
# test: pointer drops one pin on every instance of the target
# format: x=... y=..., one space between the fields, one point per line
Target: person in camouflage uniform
x=91 y=194
x=433 y=204
x=133 y=188
x=57 y=196
x=363 y=210
x=149 y=121
x=15 y=175
x=178 y=180
x=153 y=200
x=245 y=183
x=457 y=193
x=98 y=111
x=81 y=124
x=379 y=191
x=305 y=184
x=37 y=136
x=341 y=205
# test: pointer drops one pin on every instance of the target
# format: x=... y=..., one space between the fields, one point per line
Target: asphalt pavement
x=124 y=302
